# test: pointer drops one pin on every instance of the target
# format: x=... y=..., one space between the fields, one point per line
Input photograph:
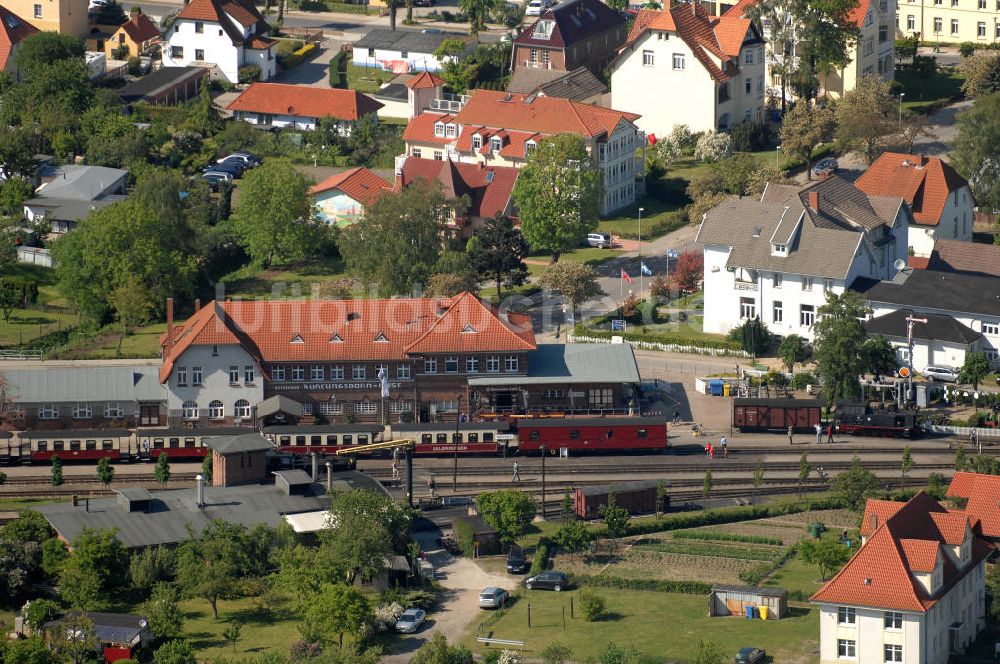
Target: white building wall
x=988 y=326
x=217 y=46
x=620 y=166
x=215 y=379
x=395 y=61
x=955 y=223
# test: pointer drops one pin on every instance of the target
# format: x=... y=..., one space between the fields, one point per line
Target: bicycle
x=698 y=430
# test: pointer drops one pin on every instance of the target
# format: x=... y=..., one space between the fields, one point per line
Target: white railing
x=35 y=256
x=667 y=348
x=449 y=103
x=535 y=64
x=981 y=432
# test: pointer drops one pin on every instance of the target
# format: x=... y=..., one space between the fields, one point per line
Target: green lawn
x=922 y=94
x=253 y=282
x=588 y=255
x=796 y=575
x=18 y=504
x=687 y=168
x=365 y=79
x=658 y=217
x=144 y=342
x=48 y=315
x=662 y=626
x=261 y=631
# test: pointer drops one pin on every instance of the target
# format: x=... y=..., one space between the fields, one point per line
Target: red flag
x=626 y=277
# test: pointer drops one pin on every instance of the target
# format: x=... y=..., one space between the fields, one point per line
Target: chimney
x=923 y=160
x=315 y=466
x=197 y=304
x=329 y=476
x=199 y=481
x=170 y=322
x=135 y=11
x=873 y=522
x=814 y=201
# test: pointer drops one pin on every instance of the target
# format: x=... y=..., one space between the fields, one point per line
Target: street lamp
x=454 y=444
x=901 y=95
x=641 y=210
x=777 y=156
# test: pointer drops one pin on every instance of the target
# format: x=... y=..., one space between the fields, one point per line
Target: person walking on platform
x=516 y=477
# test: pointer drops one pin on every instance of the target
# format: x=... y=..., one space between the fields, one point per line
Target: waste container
x=726 y=389
x=763 y=612
x=715 y=387
x=749 y=610
x=816 y=529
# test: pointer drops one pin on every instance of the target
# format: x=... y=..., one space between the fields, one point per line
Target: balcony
x=743 y=285
x=449 y=103
x=535 y=64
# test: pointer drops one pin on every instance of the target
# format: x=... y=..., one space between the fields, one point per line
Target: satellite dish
x=899 y=264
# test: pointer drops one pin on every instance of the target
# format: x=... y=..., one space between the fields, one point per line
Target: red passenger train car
x=76 y=444
x=776 y=414
x=180 y=443
x=321 y=438
x=592 y=434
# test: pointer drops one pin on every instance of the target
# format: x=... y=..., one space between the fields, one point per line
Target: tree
x=566 y=506
x=856 y=485
x=273 y=221
x=131 y=305
x=105 y=471
x=914 y=126
x=558 y=192
x=162 y=611
x=688 y=271
x=878 y=357
x=10 y=298
x=109 y=13
x=758 y=479
x=393 y=7
x=208 y=565
x=16 y=158
x=983 y=464
x=736 y=172
x=74 y=640
x=706 y=486
x=616 y=520
x=981 y=72
x=709 y=652
x=976 y=148
x=661 y=496
x=29 y=526
x=398 y=241
x=54 y=555
x=80 y=586
x=57 y=473
x=713 y=146
x=576 y=281
x=805 y=469
x=203 y=116
x=162 y=470
x=101 y=552
x=478 y=11
x=363 y=529
x=18 y=569
x=508 y=511
x=232 y=632
x=573 y=537
x=555 y=653
x=335 y=610
x=793 y=350
x=839 y=335
x=437 y=651
x=206 y=468
x=865 y=116
x=498 y=251
x=177 y=651
x=961 y=462
x=46 y=48
x=803 y=129
x=975 y=368
x=827 y=553
x=907 y=463
x=753 y=335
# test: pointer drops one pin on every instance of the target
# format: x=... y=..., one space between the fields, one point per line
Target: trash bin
x=726 y=389
x=763 y=612
x=715 y=387
x=749 y=610
x=816 y=529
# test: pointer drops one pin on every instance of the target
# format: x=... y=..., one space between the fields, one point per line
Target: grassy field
x=657 y=215
x=261 y=631
x=49 y=315
x=687 y=168
x=144 y=342
x=18 y=504
x=664 y=626
x=923 y=94
x=278 y=281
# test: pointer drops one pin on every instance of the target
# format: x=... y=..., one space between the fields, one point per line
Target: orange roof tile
x=13 y=30
x=963 y=483
x=260 y=43
x=243 y=11
x=305 y=330
x=858 y=13
x=876 y=513
x=983 y=504
x=304 y=101
x=359 y=183
x=421 y=128
x=921 y=555
x=923 y=182
x=423 y=80
x=488 y=187
x=951 y=526
x=139 y=28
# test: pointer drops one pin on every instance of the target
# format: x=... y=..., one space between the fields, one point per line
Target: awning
x=279 y=403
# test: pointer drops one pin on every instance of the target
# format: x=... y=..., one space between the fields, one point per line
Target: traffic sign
x=904 y=372
x=617 y=325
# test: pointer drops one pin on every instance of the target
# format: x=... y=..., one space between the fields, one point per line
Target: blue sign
x=617 y=325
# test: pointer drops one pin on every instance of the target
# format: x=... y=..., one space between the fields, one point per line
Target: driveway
x=462 y=580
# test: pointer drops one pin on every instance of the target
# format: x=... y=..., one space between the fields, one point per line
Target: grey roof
x=412 y=41
x=279 y=403
x=155 y=82
x=171 y=513
x=822 y=243
x=937 y=328
x=120 y=628
x=619 y=487
x=580 y=84
x=247 y=442
x=933 y=289
x=749 y=590
x=86 y=383
x=82 y=183
x=72 y=433
x=294 y=477
x=561 y=364
x=71 y=209
x=394 y=91
x=134 y=493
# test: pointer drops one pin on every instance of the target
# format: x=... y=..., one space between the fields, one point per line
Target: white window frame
x=805 y=314
x=114 y=410
x=401 y=406
x=807 y=283
x=196 y=375
x=337 y=372
x=511 y=363
x=48 y=411
x=847 y=615
x=439 y=129
x=82 y=411
x=366 y=407
x=402 y=371
x=496 y=144
x=777 y=312
x=678 y=61
x=216 y=410
x=189 y=410
x=298 y=373
x=472 y=364
x=248 y=375
x=359 y=372
x=493 y=364
x=449 y=362
x=234 y=375
x=182 y=376
x=317 y=372
x=892 y=653
x=748 y=308
x=893 y=620
x=991 y=329
x=242 y=409
x=648 y=58
x=331 y=408
x=277 y=373
x=477 y=142
x=849 y=648
x=430 y=365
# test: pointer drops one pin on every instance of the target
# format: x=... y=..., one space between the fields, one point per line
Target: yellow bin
x=763 y=612
x=725 y=389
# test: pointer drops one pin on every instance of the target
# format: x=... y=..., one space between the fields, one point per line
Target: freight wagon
x=637 y=497
x=592 y=434
x=776 y=414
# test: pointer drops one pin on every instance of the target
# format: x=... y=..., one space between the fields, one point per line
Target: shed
x=293 y=482
x=119 y=635
x=727 y=600
x=239 y=459
x=486 y=536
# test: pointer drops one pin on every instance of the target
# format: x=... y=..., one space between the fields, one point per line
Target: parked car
x=248 y=159
x=492 y=598
x=233 y=169
x=214 y=179
x=424 y=3
x=537 y=7
x=825 y=167
x=410 y=621
x=943 y=374
x=516 y=564
x=599 y=240
x=749 y=655
x=547 y=581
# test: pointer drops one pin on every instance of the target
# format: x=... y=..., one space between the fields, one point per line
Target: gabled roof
x=421 y=128
x=425 y=79
x=304 y=101
x=877 y=512
x=579 y=85
x=243 y=12
x=359 y=183
x=572 y=22
x=300 y=330
x=934 y=289
x=858 y=13
x=937 y=328
x=488 y=187
x=925 y=183
x=880 y=574
x=983 y=504
x=965 y=257
x=139 y=28
x=13 y=30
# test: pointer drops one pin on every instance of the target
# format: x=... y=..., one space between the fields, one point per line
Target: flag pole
x=640 y=252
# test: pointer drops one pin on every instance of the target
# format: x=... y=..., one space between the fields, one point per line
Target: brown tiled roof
x=359 y=183
x=243 y=11
x=923 y=182
x=139 y=28
x=920 y=555
x=983 y=505
x=968 y=257
x=13 y=30
x=424 y=79
x=304 y=101
x=421 y=128
x=859 y=12
x=317 y=330
x=877 y=512
x=488 y=187
x=574 y=21
x=260 y=43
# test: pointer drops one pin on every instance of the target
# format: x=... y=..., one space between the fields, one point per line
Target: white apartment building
x=501 y=129
x=776 y=257
x=950 y=21
x=682 y=66
x=913 y=593
x=224 y=34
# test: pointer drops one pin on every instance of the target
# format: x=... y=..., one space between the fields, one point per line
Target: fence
x=981 y=432
x=34 y=256
x=667 y=348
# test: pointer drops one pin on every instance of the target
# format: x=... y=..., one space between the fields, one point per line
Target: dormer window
x=297 y=339
x=336 y=339
x=439 y=129
x=529 y=147
x=451 y=131
x=496 y=144
x=477 y=141
x=468 y=329
x=381 y=338
x=779 y=249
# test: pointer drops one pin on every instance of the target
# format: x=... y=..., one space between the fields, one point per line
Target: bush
x=465 y=537
x=660 y=338
x=540 y=562
x=800 y=380
x=718 y=536
x=248 y=74
x=295 y=58
x=750 y=136
x=924 y=66
x=652 y=585
x=134 y=66
x=594 y=606
x=713 y=146
x=965 y=49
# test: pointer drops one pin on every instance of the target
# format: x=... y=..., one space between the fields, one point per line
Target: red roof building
x=913 y=592
x=137 y=35
x=965 y=257
x=487 y=188
x=13 y=30
x=939 y=197
x=341 y=199
x=301 y=106
x=570 y=35
x=982 y=495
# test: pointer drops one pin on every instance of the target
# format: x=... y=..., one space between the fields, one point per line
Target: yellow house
x=138 y=34
x=66 y=16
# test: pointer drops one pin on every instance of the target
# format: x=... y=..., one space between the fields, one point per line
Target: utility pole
x=910 y=320
x=454 y=445
x=640 y=251
x=543 y=482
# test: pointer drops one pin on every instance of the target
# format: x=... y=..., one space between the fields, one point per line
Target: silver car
x=943 y=374
x=493 y=598
x=410 y=621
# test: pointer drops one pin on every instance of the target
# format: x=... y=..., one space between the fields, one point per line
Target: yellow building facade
x=66 y=16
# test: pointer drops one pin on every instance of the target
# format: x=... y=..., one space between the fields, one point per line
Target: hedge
x=295 y=58
x=652 y=585
x=664 y=342
x=756 y=575
x=465 y=537
x=540 y=563
x=718 y=536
